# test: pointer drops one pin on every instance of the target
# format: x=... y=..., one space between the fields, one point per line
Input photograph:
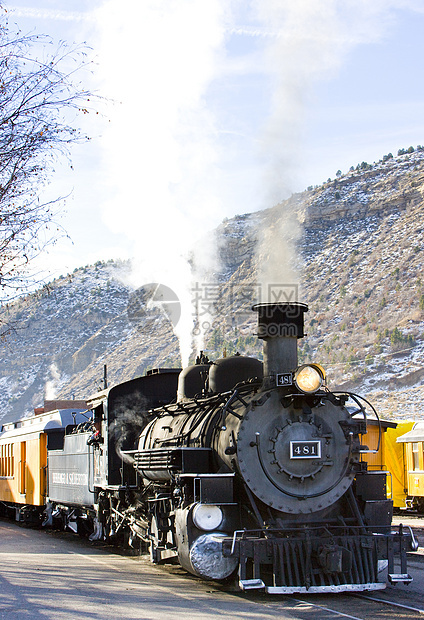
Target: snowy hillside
x=358 y=247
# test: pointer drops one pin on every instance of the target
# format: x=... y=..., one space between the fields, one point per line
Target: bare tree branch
x=40 y=100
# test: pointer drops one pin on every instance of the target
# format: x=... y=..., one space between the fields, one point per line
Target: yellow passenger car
x=387 y=455
x=413 y=443
x=23 y=461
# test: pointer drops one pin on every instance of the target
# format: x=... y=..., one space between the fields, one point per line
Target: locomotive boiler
x=257 y=468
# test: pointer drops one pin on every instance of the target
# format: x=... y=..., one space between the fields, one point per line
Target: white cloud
x=52 y=14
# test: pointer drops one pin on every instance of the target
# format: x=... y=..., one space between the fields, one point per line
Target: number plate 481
x=305 y=449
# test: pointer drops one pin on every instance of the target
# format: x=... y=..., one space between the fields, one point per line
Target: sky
x=221 y=107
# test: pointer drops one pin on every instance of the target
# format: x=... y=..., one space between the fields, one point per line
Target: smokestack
x=279 y=326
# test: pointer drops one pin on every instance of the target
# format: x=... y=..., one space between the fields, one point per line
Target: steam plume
x=306 y=42
x=159 y=58
x=52 y=384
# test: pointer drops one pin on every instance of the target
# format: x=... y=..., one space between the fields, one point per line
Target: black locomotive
x=235 y=467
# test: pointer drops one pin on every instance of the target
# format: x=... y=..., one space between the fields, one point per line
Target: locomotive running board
x=346 y=587
x=251 y=584
x=256 y=584
x=399 y=578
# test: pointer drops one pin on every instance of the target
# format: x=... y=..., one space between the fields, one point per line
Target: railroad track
x=419 y=610
x=341 y=606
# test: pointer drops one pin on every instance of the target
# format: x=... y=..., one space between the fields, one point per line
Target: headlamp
x=309 y=378
x=207 y=516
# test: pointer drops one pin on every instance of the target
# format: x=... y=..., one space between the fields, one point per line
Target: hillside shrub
x=399 y=340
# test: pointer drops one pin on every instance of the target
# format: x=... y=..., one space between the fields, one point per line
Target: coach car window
x=415 y=457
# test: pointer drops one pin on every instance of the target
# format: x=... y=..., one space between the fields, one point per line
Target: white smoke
x=157 y=59
x=164 y=162
x=52 y=384
x=307 y=43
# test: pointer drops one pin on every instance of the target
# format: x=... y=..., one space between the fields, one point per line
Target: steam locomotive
x=235 y=467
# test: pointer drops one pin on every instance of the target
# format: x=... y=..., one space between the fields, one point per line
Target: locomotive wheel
x=154 y=541
x=162 y=542
x=84 y=527
x=420 y=505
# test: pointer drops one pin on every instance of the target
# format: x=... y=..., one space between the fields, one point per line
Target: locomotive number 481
x=305 y=449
